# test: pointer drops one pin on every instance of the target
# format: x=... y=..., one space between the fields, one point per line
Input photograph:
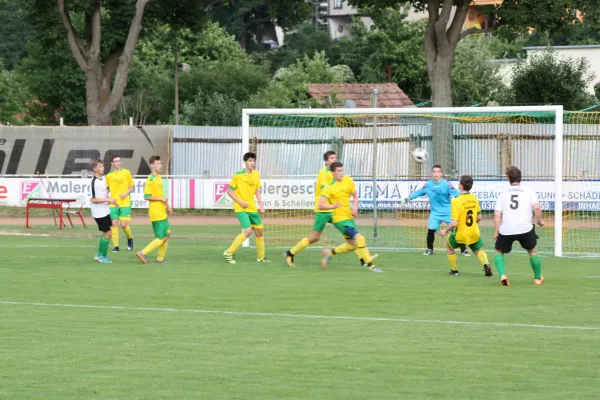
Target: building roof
x=389 y=95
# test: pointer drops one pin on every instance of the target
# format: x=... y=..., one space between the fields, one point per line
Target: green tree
x=102 y=36
x=249 y=20
x=213 y=61
x=12 y=95
x=213 y=109
x=585 y=32
x=289 y=85
x=550 y=79
x=14 y=31
x=305 y=41
x=53 y=77
x=392 y=41
x=445 y=23
x=475 y=78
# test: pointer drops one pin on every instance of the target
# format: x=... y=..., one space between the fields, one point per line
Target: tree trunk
x=102 y=97
x=441 y=37
x=441 y=96
x=92 y=97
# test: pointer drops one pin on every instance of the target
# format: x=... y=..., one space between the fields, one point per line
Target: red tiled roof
x=389 y=95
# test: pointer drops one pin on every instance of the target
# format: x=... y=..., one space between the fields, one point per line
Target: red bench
x=55 y=204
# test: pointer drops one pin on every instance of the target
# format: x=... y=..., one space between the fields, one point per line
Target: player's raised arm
x=452 y=191
x=418 y=193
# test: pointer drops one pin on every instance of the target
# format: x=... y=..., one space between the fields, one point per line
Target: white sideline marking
x=308 y=316
x=24 y=234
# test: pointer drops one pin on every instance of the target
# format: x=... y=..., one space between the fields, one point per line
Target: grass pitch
x=198 y=328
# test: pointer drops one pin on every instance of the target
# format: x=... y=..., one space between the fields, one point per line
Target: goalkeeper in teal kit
x=439 y=191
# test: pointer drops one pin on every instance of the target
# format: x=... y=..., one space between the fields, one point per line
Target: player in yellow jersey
x=120 y=184
x=322 y=217
x=244 y=186
x=336 y=197
x=465 y=214
x=157 y=211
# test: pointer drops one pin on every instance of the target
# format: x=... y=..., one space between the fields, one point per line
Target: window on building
x=337 y=4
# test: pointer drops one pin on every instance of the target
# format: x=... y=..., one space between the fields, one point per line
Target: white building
x=590 y=52
x=338 y=17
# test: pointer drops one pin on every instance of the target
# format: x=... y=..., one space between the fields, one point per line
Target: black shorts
x=527 y=240
x=104 y=223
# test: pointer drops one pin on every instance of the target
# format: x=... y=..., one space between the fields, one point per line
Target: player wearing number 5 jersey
x=465 y=216
x=512 y=218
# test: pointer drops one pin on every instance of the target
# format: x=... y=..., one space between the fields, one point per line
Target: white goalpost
x=375 y=143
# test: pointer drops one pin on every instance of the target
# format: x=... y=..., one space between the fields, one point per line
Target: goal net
x=375 y=147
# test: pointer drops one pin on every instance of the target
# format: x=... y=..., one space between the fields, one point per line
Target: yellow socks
x=260 y=247
x=115 y=235
x=452 y=259
x=155 y=244
x=127 y=231
x=482 y=257
x=237 y=243
x=162 y=250
x=363 y=250
x=342 y=248
x=301 y=245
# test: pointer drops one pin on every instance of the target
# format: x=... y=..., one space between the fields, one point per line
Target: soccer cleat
x=130 y=244
x=142 y=257
x=325 y=258
x=289 y=258
x=428 y=252
x=116 y=249
x=104 y=260
x=373 y=268
x=538 y=281
x=161 y=262
x=97 y=257
x=504 y=281
x=466 y=254
x=364 y=264
x=262 y=260
x=454 y=272
x=228 y=257
x=488 y=270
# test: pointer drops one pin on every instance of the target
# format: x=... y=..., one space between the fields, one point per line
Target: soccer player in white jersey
x=100 y=209
x=512 y=218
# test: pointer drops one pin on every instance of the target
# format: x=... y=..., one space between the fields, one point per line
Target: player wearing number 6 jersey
x=465 y=214
x=512 y=218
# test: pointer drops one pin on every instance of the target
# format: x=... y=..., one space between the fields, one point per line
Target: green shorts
x=321 y=220
x=454 y=244
x=347 y=227
x=120 y=213
x=249 y=219
x=161 y=228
